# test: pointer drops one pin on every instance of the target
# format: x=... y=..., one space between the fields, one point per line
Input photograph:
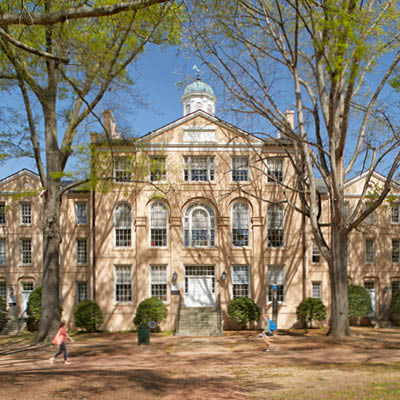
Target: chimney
x=289 y=114
x=109 y=124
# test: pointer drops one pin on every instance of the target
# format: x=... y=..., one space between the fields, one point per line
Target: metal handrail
x=179 y=314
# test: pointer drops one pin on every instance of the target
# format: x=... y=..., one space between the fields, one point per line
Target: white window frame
x=3 y=290
x=122 y=169
x=26 y=213
x=158 y=276
x=158 y=221
x=275 y=169
x=369 y=251
x=275 y=226
x=3 y=213
x=240 y=279
x=316 y=290
x=82 y=287
x=395 y=251
x=276 y=275
x=126 y=280
x=82 y=253
x=240 y=169
x=81 y=212
x=189 y=164
x=3 y=251
x=240 y=221
x=158 y=169
x=123 y=224
x=370 y=219
x=315 y=253
x=24 y=252
x=395 y=217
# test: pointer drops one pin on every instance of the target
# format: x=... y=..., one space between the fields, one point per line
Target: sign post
x=275 y=304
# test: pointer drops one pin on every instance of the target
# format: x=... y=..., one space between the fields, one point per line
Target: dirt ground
x=301 y=365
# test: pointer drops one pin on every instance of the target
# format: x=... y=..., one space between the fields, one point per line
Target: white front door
x=370 y=287
x=26 y=290
x=200 y=292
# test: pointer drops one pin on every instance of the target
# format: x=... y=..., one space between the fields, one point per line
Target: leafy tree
x=332 y=61
x=3 y=313
x=310 y=309
x=359 y=302
x=395 y=303
x=88 y=315
x=151 y=309
x=34 y=309
x=243 y=310
x=62 y=70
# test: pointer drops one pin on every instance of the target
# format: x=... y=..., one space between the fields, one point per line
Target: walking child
x=60 y=340
x=269 y=327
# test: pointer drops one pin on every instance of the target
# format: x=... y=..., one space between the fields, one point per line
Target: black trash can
x=143 y=335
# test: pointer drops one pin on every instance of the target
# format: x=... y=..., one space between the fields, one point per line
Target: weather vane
x=197 y=69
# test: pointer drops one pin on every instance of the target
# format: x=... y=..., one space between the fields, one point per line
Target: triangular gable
x=20 y=175
x=356 y=184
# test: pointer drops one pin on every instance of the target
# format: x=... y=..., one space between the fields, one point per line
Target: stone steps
x=199 y=321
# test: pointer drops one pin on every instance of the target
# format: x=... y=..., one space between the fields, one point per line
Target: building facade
x=192 y=213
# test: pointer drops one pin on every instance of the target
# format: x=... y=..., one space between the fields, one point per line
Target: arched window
x=158 y=224
x=240 y=220
x=275 y=216
x=123 y=225
x=199 y=226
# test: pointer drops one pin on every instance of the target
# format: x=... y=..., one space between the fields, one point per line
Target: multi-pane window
x=81 y=251
x=371 y=217
x=395 y=213
x=199 y=169
x=158 y=169
x=158 y=281
x=369 y=250
x=275 y=216
x=395 y=250
x=26 y=251
x=199 y=226
x=81 y=291
x=123 y=225
x=122 y=169
x=2 y=251
x=2 y=213
x=276 y=278
x=81 y=213
x=158 y=224
x=395 y=287
x=316 y=254
x=240 y=281
x=3 y=290
x=123 y=283
x=26 y=213
x=240 y=169
x=316 y=290
x=240 y=224
x=275 y=170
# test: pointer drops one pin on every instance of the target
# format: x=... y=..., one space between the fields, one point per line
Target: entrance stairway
x=199 y=321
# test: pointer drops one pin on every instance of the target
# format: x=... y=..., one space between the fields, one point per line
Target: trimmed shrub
x=359 y=302
x=34 y=309
x=310 y=309
x=88 y=315
x=151 y=309
x=3 y=313
x=243 y=310
x=395 y=303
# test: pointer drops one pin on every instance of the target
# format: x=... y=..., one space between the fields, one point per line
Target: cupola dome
x=198 y=96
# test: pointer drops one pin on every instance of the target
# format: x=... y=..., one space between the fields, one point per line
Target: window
x=240 y=281
x=199 y=169
x=81 y=251
x=2 y=213
x=395 y=213
x=158 y=169
x=81 y=213
x=26 y=251
x=26 y=213
x=316 y=254
x=240 y=169
x=275 y=226
x=240 y=224
x=158 y=224
x=369 y=250
x=395 y=250
x=122 y=169
x=274 y=170
x=316 y=290
x=158 y=282
x=2 y=251
x=395 y=287
x=371 y=217
x=123 y=283
x=3 y=290
x=81 y=291
x=199 y=226
x=123 y=225
x=203 y=271
x=276 y=277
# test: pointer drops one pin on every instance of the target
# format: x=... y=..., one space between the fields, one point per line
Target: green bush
x=88 y=315
x=310 y=309
x=395 y=303
x=34 y=309
x=243 y=310
x=151 y=309
x=3 y=313
x=359 y=302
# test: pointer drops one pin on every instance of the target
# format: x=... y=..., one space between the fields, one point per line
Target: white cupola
x=198 y=96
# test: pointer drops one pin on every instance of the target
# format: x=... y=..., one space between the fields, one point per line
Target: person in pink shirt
x=60 y=340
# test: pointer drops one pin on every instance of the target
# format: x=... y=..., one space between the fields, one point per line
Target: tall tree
x=65 y=67
x=332 y=61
